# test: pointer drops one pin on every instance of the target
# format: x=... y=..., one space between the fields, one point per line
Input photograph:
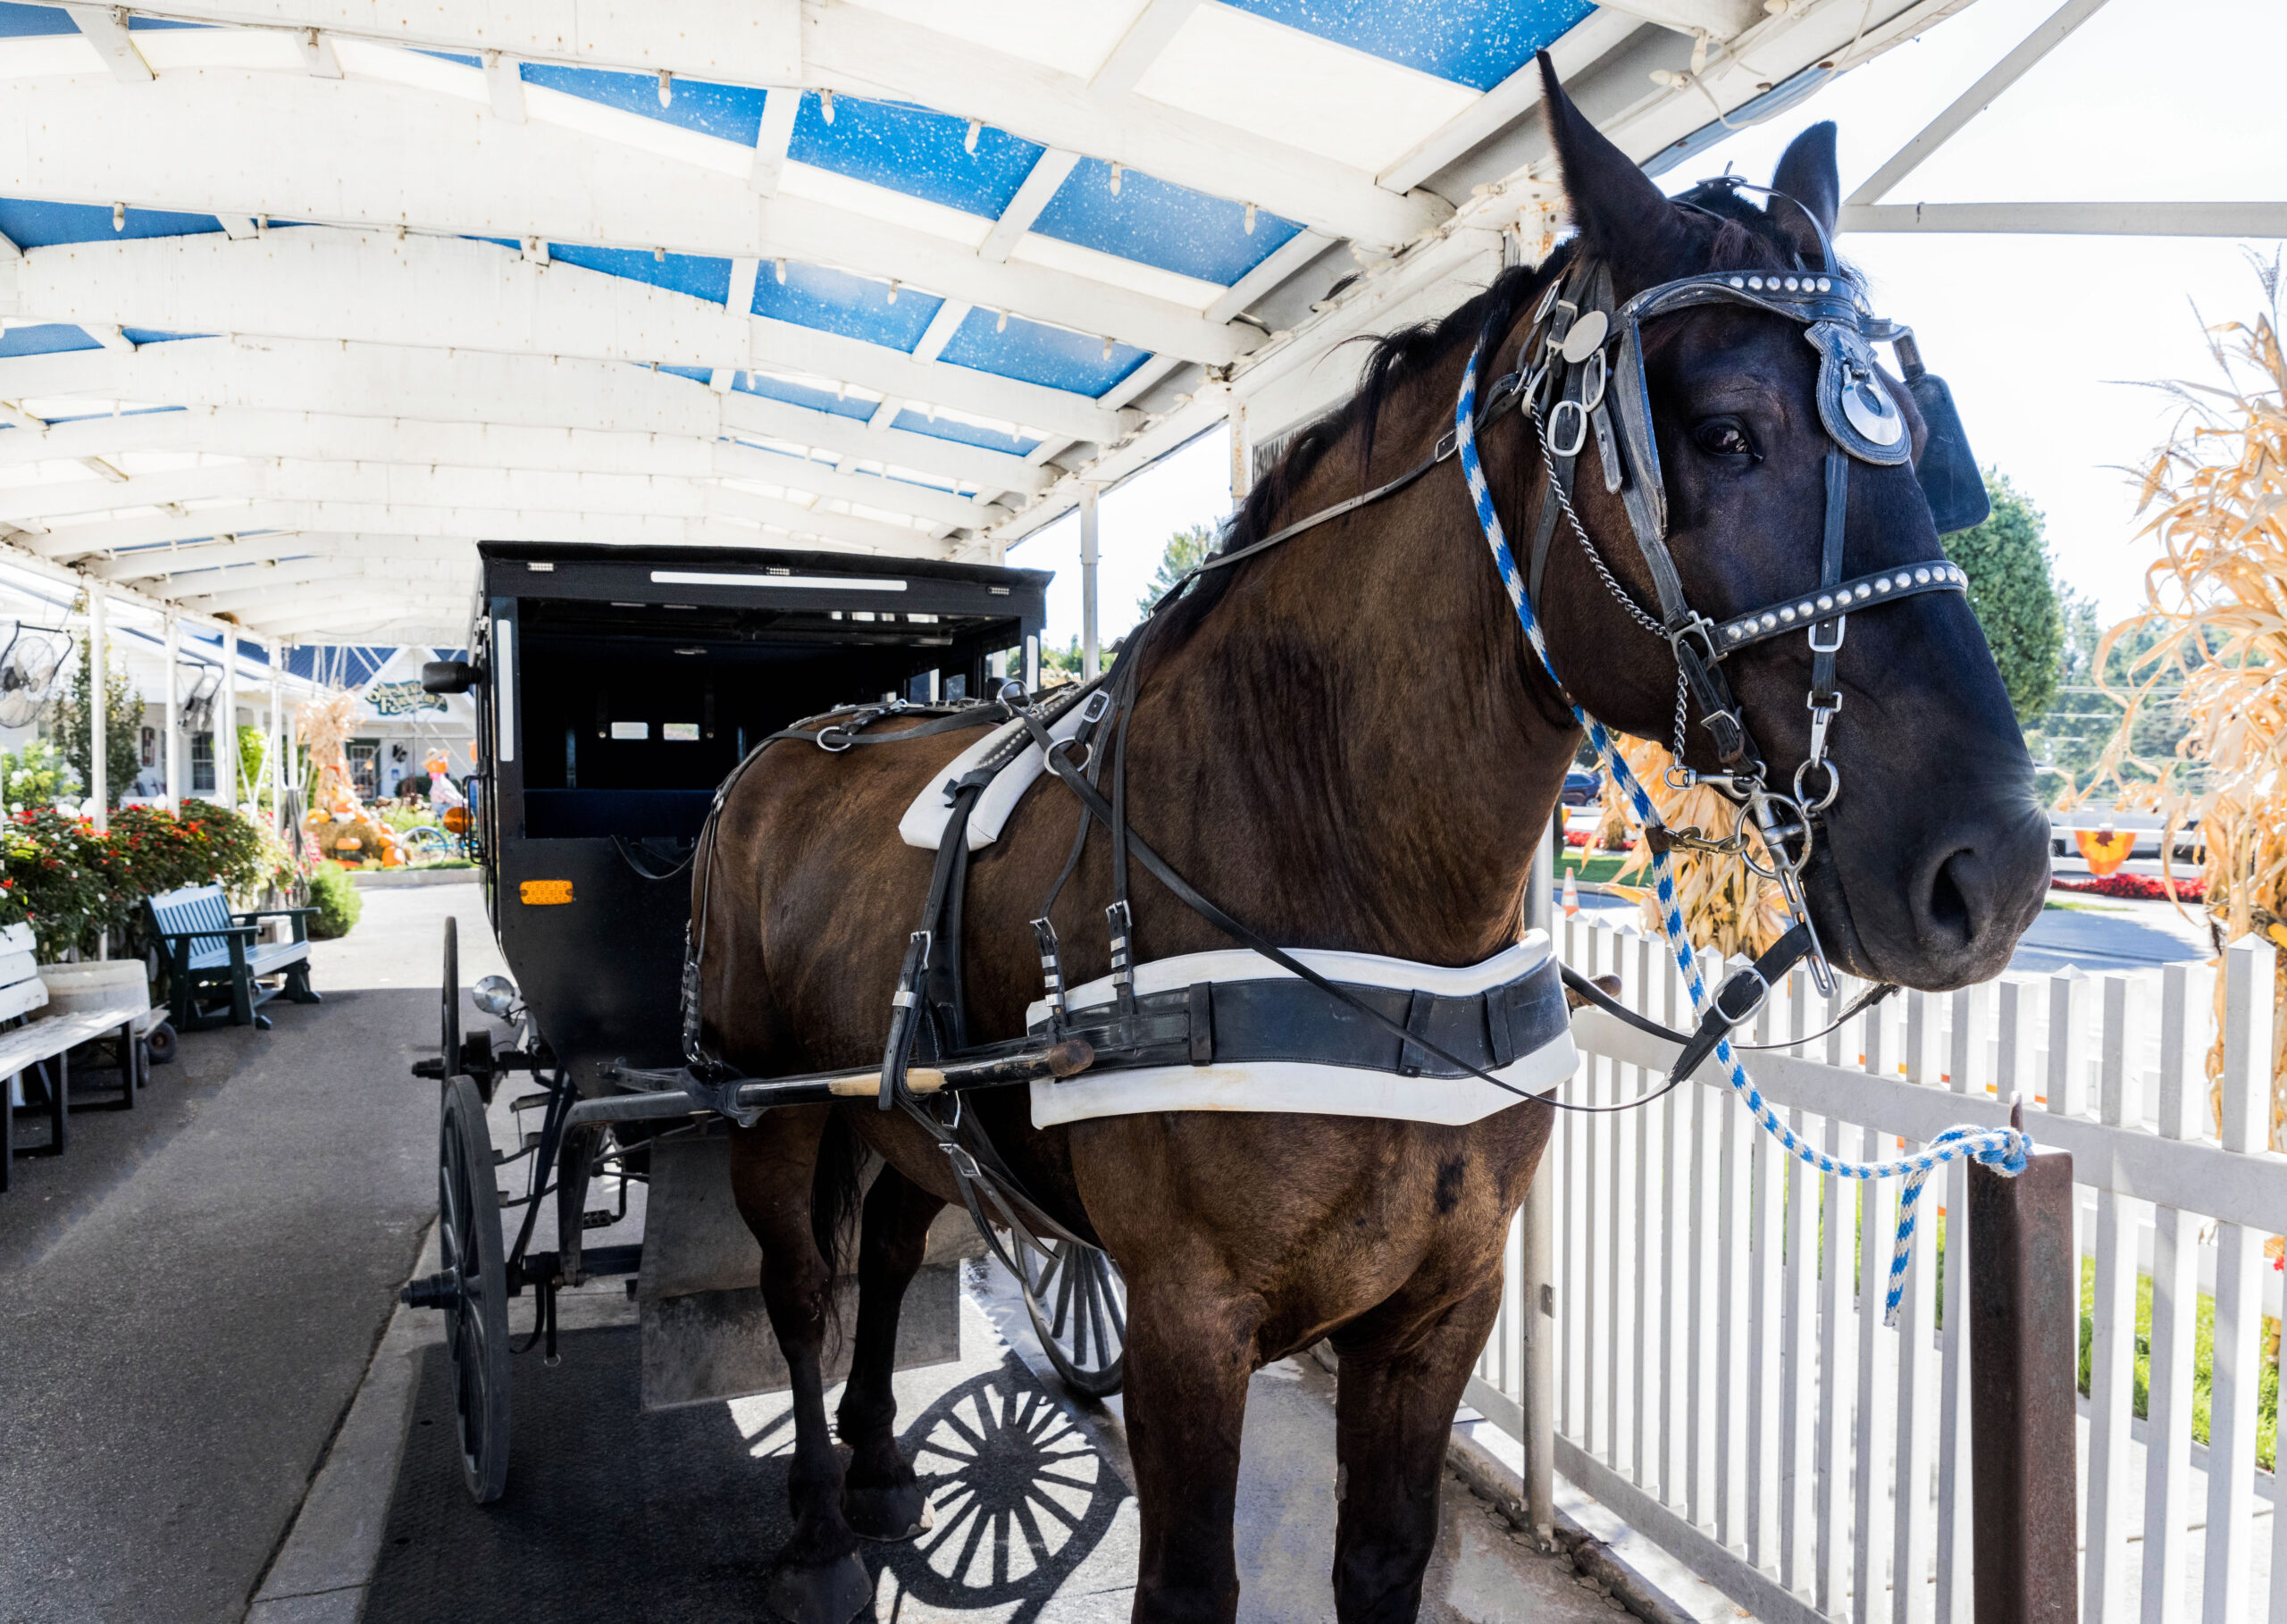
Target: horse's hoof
x=887 y=1511
x=833 y=1593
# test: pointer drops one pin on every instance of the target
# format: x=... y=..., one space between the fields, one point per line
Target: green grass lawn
x=2203 y=1359
x=1590 y=864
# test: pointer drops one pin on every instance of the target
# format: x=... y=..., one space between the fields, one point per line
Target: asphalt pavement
x=195 y=1289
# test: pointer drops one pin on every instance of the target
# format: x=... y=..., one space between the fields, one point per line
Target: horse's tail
x=835 y=1205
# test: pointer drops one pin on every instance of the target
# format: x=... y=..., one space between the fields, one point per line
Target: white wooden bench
x=45 y=1013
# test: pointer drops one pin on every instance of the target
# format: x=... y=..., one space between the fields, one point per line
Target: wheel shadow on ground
x=614 y=1515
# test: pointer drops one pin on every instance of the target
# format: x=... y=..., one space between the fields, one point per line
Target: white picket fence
x=1723 y=1381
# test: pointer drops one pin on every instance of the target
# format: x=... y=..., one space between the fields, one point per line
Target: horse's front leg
x=818 y=1578
x=1401 y=1381
x=880 y=1497
x=1189 y=1355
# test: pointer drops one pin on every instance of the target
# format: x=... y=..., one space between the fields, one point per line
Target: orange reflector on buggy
x=544 y=893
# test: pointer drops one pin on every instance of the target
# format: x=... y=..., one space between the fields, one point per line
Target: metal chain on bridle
x=1865 y=419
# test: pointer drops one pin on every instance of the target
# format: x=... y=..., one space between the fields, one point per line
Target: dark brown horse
x=1346 y=742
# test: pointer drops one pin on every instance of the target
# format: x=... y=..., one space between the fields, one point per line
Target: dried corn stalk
x=2218 y=486
x=1725 y=904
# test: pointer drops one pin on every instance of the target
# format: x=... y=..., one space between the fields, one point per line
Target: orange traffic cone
x=1571 y=893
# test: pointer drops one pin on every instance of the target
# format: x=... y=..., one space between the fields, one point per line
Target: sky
x=2044 y=340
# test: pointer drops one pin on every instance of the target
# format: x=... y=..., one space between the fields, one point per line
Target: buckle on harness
x=1763 y=993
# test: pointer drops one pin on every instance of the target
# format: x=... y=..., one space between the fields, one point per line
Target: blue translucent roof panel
x=799 y=394
x=1476 y=43
x=855 y=307
x=1157 y=223
x=963 y=433
x=23 y=21
x=1052 y=357
x=693 y=273
x=31 y=224
x=731 y=113
x=152 y=335
x=914 y=151
x=47 y=339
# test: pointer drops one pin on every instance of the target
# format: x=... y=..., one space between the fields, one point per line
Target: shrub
x=71 y=883
x=336 y=900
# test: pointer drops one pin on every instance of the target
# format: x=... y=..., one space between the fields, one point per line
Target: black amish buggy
x=618 y=687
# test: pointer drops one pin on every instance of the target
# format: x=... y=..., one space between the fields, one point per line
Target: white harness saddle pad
x=1506 y=1016
x=923 y=823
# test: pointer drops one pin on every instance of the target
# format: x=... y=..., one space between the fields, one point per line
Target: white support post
x=1242 y=456
x=1090 y=655
x=226 y=723
x=2250 y=966
x=171 y=762
x=1536 y=1293
x=2169 y=1509
x=281 y=755
x=2113 y=1348
x=98 y=712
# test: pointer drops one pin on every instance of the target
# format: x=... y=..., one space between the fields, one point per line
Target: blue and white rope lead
x=2002 y=1148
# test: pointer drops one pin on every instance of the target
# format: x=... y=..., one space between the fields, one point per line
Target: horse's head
x=1932 y=857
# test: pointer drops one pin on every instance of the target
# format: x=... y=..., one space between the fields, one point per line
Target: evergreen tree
x=1186 y=550
x=122 y=727
x=2015 y=595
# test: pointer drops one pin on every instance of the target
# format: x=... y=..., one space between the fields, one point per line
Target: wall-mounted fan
x=197 y=682
x=30 y=656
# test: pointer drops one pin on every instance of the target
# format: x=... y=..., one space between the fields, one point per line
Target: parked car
x=1582 y=786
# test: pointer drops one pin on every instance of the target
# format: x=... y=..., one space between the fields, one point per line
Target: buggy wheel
x=475 y=1290
x=1078 y=1305
x=449 y=1038
x=161 y=1039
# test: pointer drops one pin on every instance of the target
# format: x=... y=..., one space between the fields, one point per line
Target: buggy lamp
x=448 y=676
x=495 y=995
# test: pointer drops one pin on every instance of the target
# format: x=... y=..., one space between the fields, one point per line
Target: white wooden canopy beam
x=247 y=432
x=254 y=143
x=413 y=487
x=853 y=49
x=2158 y=219
x=486 y=524
x=15 y=555
x=772 y=137
x=184 y=566
x=2052 y=33
x=105 y=27
x=743 y=42
x=461 y=386
x=1719 y=19
x=449 y=293
x=1049 y=171
x=1147 y=37
x=1589 y=41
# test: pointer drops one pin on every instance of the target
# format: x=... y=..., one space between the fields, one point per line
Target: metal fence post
x=2024 y=1321
x=1535 y=1289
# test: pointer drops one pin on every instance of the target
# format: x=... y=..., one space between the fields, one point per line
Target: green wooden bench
x=214 y=964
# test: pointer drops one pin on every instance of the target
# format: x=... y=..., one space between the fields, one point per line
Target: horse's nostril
x=1947 y=910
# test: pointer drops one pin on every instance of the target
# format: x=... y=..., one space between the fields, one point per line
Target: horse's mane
x=1733 y=234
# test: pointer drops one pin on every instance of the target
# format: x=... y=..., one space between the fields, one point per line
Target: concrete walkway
x=195 y=1289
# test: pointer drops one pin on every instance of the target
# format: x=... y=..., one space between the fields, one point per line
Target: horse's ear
x=1807 y=175
x=1622 y=218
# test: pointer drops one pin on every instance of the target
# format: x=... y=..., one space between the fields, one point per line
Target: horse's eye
x=1725 y=437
